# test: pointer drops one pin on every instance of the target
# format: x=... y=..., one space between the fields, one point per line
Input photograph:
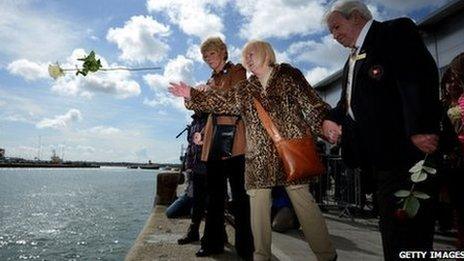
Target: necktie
x=353 y=53
x=350 y=79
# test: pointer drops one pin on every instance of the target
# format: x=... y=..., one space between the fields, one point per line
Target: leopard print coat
x=292 y=104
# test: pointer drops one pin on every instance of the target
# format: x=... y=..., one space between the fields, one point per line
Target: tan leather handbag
x=298 y=155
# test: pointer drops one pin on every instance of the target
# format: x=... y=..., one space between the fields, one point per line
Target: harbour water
x=72 y=214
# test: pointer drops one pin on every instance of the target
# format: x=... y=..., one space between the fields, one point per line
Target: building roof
x=427 y=23
x=436 y=17
x=328 y=80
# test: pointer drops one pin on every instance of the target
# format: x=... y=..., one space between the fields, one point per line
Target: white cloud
x=162 y=113
x=71 y=152
x=83 y=149
x=316 y=74
x=118 y=84
x=122 y=145
x=326 y=52
x=282 y=57
x=194 y=53
x=326 y=57
x=101 y=143
x=102 y=131
x=235 y=54
x=60 y=121
x=141 y=39
x=178 y=69
x=91 y=34
x=280 y=19
x=380 y=15
x=193 y=17
x=17 y=118
x=30 y=71
x=26 y=32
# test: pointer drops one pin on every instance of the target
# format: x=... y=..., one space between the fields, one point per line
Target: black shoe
x=203 y=252
x=188 y=239
x=192 y=235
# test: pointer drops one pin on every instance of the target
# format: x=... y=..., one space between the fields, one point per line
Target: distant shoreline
x=88 y=165
x=46 y=165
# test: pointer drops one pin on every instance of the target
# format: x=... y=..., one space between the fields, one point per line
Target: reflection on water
x=72 y=214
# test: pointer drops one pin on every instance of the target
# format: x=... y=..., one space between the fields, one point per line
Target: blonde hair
x=214 y=44
x=262 y=50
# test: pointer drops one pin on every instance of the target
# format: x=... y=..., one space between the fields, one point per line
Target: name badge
x=360 y=56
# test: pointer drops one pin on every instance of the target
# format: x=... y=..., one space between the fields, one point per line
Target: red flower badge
x=376 y=72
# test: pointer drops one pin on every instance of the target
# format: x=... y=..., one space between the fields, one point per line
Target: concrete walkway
x=354 y=239
x=158 y=240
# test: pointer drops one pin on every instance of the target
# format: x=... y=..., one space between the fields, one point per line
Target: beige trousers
x=308 y=213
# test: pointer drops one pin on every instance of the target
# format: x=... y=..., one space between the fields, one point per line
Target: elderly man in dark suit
x=389 y=114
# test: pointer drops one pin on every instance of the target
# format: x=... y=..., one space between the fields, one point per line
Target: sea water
x=72 y=214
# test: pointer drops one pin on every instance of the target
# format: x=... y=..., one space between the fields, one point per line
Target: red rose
x=401 y=215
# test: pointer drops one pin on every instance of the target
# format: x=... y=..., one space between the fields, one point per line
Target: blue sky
x=129 y=116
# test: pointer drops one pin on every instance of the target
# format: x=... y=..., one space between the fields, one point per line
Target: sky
x=130 y=116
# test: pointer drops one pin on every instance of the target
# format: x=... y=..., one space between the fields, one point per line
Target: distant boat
x=133 y=167
x=149 y=166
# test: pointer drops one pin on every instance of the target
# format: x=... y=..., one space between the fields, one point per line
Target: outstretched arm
x=212 y=101
x=180 y=89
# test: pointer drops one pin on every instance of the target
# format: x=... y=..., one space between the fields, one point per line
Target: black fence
x=341 y=187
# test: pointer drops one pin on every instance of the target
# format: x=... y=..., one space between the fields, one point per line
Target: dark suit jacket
x=394 y=96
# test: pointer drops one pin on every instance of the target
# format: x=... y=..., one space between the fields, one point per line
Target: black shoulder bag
x=223 y=139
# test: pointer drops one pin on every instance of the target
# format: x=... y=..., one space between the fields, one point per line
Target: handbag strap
x=267 y=122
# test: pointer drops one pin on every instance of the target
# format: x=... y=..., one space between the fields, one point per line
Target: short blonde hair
x=214 y=44
x=263 y=51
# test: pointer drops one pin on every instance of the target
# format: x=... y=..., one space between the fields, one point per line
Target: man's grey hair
x=346 y=8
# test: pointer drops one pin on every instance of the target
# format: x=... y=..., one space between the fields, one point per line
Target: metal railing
x=339 y=187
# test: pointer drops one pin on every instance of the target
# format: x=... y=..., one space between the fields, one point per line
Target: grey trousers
x=308 y=213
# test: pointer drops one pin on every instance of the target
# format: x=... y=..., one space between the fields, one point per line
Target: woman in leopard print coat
x=296 y=110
